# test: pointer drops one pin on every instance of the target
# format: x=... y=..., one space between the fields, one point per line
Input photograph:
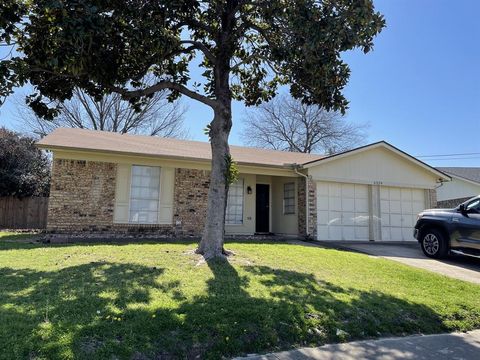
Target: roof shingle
x=92 y=140
x=469 y=173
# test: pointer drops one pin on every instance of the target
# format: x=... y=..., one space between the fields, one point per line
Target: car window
x=474 y=206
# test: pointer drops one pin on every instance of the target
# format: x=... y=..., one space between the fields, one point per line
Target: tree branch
x=129 y=94
x=203 y=48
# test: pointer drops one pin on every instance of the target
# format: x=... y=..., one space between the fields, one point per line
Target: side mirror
x=462 y=209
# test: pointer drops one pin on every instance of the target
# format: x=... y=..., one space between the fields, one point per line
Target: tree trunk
x=211 y=244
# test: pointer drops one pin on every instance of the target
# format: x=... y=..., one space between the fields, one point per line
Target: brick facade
x=449 y=204
x=312 y=207
x=82 y=199
x=82 y=203
x=81 y=196
x=190 y=201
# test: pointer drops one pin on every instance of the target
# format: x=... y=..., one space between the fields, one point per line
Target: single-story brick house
x=465 y=184
x=108 y=182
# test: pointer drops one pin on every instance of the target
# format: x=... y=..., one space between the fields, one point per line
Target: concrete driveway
x=409 y=253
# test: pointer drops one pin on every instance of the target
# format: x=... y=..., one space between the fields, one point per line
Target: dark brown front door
x=262 y=209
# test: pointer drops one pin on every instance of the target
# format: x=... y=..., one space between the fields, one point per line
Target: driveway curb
x=459 y=346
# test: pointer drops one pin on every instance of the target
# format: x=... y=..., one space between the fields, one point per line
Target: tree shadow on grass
x=108 y=310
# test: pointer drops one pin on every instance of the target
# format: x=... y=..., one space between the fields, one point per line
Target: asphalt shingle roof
x=91 y=140
x=469 y=173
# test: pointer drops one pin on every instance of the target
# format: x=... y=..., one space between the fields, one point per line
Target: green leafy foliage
x=247 y=48
x=24 y=169
x=232 y=171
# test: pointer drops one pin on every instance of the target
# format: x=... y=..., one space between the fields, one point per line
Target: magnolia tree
x=246 y=49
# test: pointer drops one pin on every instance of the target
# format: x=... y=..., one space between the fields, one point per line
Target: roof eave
x=165 y=157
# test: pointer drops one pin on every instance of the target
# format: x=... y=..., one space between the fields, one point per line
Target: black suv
x=444 y=231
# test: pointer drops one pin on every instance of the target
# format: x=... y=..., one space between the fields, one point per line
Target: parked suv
x=444 y=231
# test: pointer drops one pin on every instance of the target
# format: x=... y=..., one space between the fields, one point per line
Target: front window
x=144 y=195
x=234 y=214
x=474 y=206
x=289 y=198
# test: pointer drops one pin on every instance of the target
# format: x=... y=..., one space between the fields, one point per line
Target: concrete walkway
x=409 y=253
x=456 y=346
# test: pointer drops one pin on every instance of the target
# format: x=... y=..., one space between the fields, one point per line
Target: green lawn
x=153 y=300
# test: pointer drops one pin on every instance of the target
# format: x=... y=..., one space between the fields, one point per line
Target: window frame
x=293 y=198
x=227 y=223
x=156 y=222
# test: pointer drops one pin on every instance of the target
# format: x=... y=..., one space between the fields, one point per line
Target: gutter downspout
x=307 y=208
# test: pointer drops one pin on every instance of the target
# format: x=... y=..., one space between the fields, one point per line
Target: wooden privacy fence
x=23 y=213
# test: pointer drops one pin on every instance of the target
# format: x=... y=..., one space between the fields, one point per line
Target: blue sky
x=419 y=89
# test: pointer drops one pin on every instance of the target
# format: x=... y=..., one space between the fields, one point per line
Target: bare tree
x=157 y=117
x=287 y=124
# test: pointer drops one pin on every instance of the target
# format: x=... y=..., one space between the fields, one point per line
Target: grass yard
x=153 y=300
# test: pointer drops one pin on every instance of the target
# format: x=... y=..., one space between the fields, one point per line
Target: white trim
x=369 y=182
x=463 y=179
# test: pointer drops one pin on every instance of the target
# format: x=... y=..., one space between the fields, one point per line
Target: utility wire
x=447 y=155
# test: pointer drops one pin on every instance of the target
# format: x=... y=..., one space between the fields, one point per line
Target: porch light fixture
x=249 y=190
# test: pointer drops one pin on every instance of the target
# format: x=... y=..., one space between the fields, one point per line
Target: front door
x=262 y=209
x=469 y=225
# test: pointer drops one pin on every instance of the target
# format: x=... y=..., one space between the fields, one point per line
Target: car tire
x=434 y=244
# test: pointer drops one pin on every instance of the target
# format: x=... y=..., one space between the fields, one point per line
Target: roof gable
x=371 y=153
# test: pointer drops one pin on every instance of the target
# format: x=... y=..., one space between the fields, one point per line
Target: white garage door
x=398 y=209
x=342 y=211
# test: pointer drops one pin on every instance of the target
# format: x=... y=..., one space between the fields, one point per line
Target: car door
x=469 y=225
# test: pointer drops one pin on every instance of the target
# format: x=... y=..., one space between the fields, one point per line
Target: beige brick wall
x=303 y=193
x=81 y=196
x=190 y=201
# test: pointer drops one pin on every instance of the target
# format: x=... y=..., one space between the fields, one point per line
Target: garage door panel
x=348 y=204
x=418 y=207
x=362 y=219
x=395 y=220
x=396 y=233
x=348 y=218
x=335 y=189
x=386 y=235
x=406 y=194
x=335 y=203
x=335 y=233
x=361 y=233
x=394 y=193
x=335 y=218
x=361 y=205
x=322 y=190
x=407 y=207
x=407 y=234
x=385 y=219
x=399 y=214
x=322 y=217
x=348 y=233
x=408 y=221
x=385 y=206
x=395 y=207
x=342 y=210
x=322 y=232
x=361 y=192
x=348 y=191
x=418 y=195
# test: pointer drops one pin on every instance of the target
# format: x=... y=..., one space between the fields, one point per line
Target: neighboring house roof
x=383 y=144
x=467 y=173
x=103 y=141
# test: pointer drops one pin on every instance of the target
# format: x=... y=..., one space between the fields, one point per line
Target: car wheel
x=434 y=244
